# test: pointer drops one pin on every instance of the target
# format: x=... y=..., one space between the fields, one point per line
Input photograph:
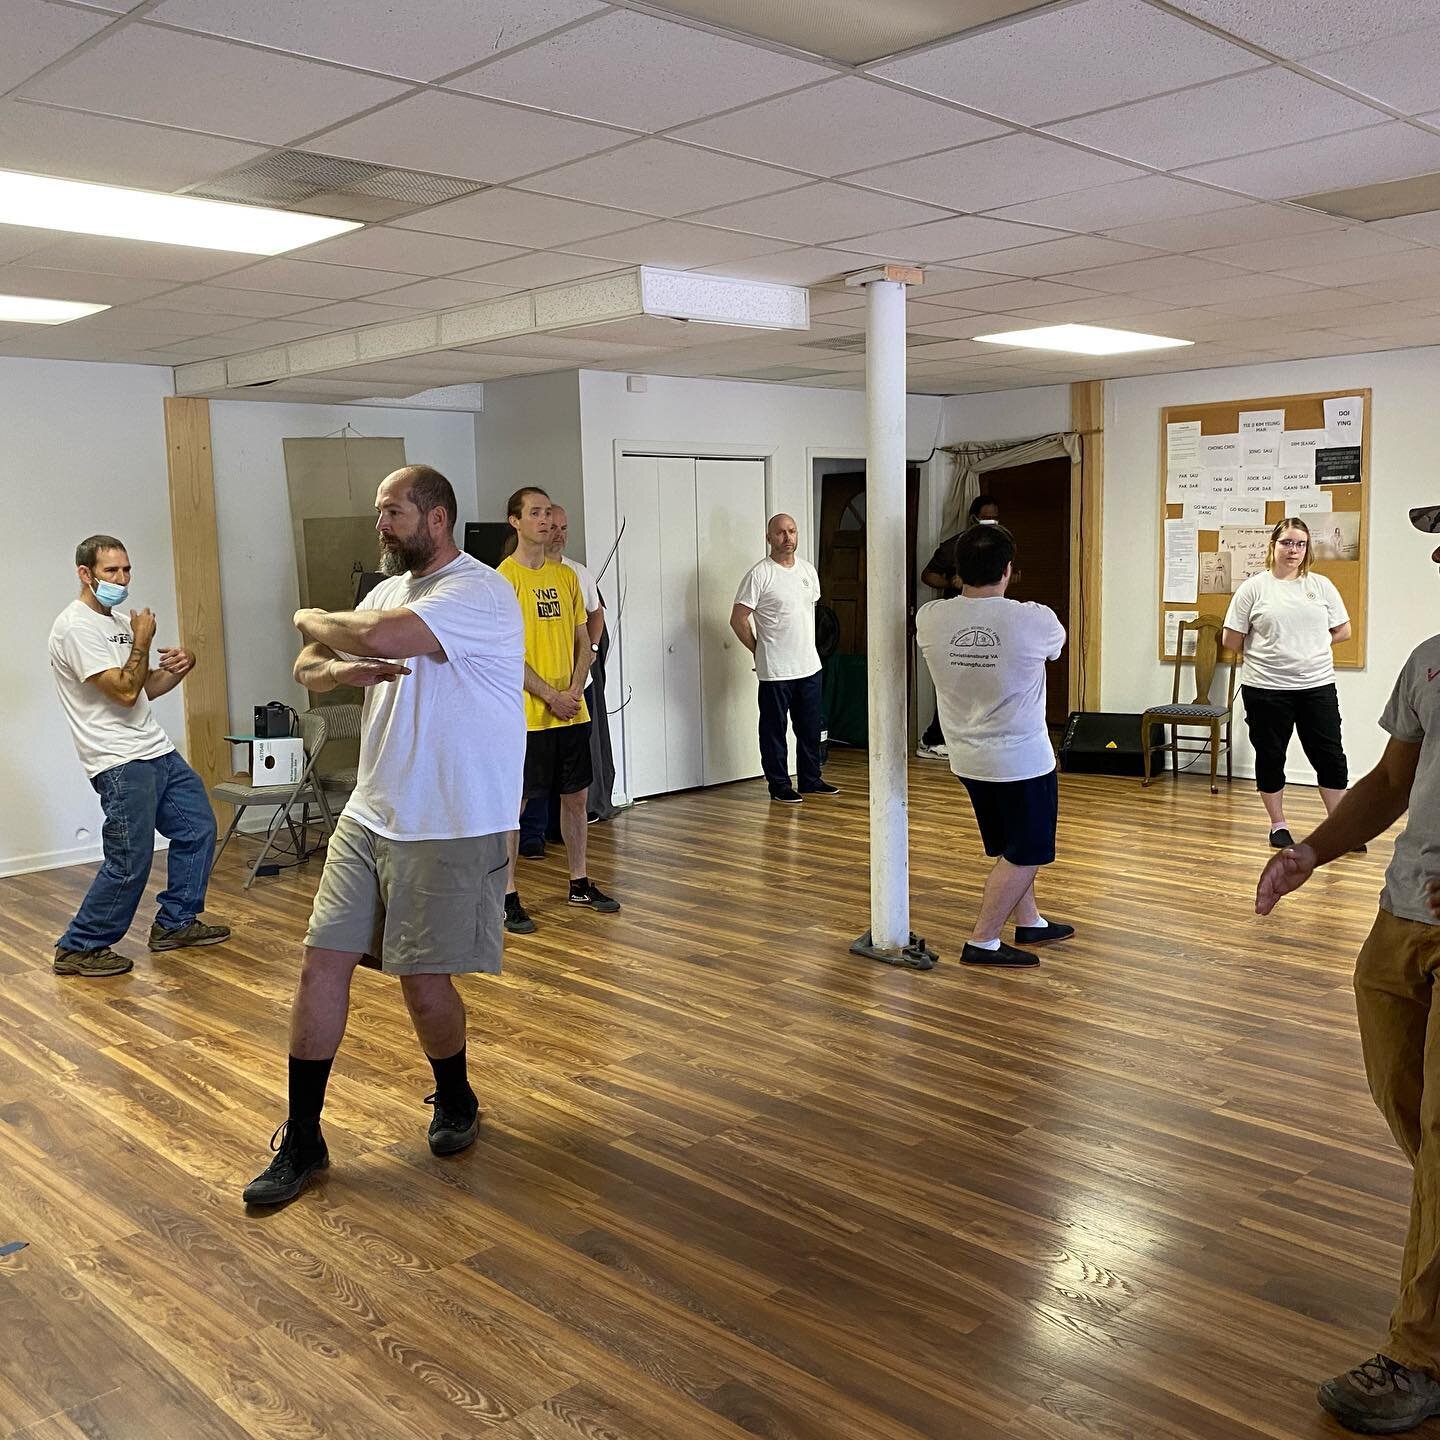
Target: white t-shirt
x=783 y=598
x=1413 y=715
x=1286 y=625
x=83 y=642
x=986 y=655
x=589 y=590
x=442 y=750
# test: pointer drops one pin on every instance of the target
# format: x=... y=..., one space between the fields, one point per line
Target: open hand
x=142 y=627
x=1287 y=871
x=176 y=661
x=367 y=672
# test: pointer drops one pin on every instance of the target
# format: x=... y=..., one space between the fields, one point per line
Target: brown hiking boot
x=90 y=963
x=195 y=933
x=1381 y=1397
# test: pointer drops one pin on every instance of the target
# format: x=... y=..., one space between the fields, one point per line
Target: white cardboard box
x=277 y=762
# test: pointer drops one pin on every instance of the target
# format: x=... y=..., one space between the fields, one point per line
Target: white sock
x=1040 y=922
x=985 y=944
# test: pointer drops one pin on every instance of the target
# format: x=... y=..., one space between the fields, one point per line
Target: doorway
x=1034 y=505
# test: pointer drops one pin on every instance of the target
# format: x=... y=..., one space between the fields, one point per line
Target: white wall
x=83 y=451
x=259 y=589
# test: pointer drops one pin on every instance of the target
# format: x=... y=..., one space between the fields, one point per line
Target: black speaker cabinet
x=485 y=540
x=1108 y=743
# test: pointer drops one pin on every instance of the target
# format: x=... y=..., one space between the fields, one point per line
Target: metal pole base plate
x=914 y=956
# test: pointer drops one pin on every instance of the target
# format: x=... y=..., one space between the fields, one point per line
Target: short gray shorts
x=418 y=907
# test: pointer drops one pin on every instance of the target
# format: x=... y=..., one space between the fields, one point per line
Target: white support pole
x=887 y=606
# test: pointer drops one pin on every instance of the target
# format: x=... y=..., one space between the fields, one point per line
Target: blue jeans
x=139 y=798
x=797 y=701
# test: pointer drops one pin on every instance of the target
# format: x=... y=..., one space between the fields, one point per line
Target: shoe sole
x=1362 y=1424
x=611 y=909
x=528 y=928
x=454 y=1147
x=824 y=794
x=291 y=1193
x=780 y=800
x=61 y=968
x=998 y=963
x=1052 y=940
x=187 y=944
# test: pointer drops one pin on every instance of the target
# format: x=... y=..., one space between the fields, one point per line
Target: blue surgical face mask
x=110 y=595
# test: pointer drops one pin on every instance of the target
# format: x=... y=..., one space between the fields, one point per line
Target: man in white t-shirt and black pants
x=414 y=880
x=101 y=664
x=774 y=618
x=987 y=657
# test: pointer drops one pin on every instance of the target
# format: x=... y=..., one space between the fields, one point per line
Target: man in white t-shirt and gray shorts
x=987 y=657
x=774 y=618
x=414 y=879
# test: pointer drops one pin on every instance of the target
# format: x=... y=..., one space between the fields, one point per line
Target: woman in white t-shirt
x=1285 y=619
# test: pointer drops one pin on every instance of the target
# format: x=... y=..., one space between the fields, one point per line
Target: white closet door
x=639 y=646
x=730 y=518
x=678 y=563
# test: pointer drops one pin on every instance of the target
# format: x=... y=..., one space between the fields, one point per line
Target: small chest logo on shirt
x=121 y=639
x=977 y=637
x=1430 y=674
x=547 y=603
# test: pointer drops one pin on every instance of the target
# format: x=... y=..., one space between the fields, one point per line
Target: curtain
x=973 y=461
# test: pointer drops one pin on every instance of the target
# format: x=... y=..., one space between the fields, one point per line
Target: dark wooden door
x=1034 y=505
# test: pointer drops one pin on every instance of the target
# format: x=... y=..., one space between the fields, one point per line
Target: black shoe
x=297 y=1158
x=786 y=797
x=1381 y=1397
x=452 y=1129
x=1042 y=934
x=1360 y=850
x=1281 y=839
x=532 y=849
x=517 y=917
x=595 y=899
x=1003 y=954
x=821 y=789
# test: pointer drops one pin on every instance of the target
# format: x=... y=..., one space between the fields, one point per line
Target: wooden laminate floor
x=731 y=1180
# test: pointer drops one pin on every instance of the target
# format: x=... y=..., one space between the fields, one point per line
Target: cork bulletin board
x=1235 y=469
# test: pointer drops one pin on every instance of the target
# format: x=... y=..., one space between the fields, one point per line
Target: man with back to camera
x=558 y=654
x=987 y=657
x=1395 y=977
x=101 y=664
x=774 y=619
x=414 y=872
x=939 y=574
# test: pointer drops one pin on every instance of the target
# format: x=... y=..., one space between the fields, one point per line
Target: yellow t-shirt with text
x=552 y=606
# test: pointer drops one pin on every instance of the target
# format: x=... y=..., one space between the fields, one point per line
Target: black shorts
x=1017 y=818
x=558 y=759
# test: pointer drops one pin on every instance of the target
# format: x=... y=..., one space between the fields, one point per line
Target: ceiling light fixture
x=47 y=203
x=30 y=310
x=1084 y=340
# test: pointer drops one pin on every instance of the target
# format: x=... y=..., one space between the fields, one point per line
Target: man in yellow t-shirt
x=558 y=656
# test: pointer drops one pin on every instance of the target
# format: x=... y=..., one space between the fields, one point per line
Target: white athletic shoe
x=932 y=752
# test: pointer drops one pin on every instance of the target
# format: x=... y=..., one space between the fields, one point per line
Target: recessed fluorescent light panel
x=1084 y=340
x=27 y=310
x=84 y=209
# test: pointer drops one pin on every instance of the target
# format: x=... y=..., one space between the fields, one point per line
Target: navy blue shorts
x=1017 y=818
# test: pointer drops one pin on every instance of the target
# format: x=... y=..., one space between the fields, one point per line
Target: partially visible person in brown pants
x=1395 y=977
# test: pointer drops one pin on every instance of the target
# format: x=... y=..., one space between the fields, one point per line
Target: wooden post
x=1087 y=416
x=197 y=588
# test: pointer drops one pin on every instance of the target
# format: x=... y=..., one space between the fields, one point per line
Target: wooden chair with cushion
x=1201 y=712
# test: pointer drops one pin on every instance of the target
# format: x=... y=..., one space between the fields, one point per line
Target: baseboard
x=58 y=859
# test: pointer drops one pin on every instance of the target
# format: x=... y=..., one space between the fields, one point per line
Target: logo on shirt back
x=547 y=603
x=977 y=637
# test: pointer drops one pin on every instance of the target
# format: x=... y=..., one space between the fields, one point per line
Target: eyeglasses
x=1292 y=544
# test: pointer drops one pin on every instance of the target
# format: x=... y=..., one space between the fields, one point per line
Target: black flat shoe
x=1002 y=955
x=1042 y=934
x=1281 y=839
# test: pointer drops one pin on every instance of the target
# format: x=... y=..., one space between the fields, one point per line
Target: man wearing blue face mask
x=101 y=663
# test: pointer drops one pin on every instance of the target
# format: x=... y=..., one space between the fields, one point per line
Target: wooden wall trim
x=197 y=587
x=1087 y=416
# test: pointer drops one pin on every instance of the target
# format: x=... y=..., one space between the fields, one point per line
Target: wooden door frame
x=1087 y=495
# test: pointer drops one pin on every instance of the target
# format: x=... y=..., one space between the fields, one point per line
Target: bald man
x=774 y=618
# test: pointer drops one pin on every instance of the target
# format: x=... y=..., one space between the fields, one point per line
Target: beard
x=412 y=552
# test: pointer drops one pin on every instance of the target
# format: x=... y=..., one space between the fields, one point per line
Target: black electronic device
x=274 y=721
x=486 y=539
x=1108 y=743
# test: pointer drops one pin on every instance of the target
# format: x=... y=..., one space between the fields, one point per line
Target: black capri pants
x=1271 y=716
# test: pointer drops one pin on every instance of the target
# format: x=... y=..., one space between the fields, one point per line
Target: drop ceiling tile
x=1006 y=171
x=805 y=266
x=1356 y=243
x=1392 y=151
x=1398 y=71
x=354 y=312
x=164 y=325
x=638 y=70
x=540 y=267
x=1135 y=276
x=1240 y=226
x=1297 y=28
x=260 y=303
x=1074 y=252
x=1101 y=311
x=817 y=214
x=145 y=260
x=1016 y=294
x=1413 y=287
x=26 y=279
x=677 y=245
x=520 y=218
x=955 y=239
x=443 y=294
x=550 y=347
x=1222 y=119
x=1314 y=307
x=1207 y=292
x=414 y=252
x=1405 y=265
x=17 y=241
x=419 y=43
x=661 y=178
x=465 y=136
x=1155 y=197
x=268 y=332
x=1070 y=60
x=838 y=126
x=143 y=73
x=1424 y=228
x=208 y=347
x=36 y=34
x=306 y=277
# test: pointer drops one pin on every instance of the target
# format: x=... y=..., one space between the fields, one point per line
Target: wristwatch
x=594 y=649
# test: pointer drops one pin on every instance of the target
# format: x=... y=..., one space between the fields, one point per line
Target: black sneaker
x=532 y=849
x=93 y=964
x=1042 y=934
x=786 y=797
x=596 y=899
x=452 y=1129
x=1281 y=839
x=517 y=917
x=297 y=1158
x=1003 y=954
x=197 y=932
x=821 y=789
x=1381 y=1397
